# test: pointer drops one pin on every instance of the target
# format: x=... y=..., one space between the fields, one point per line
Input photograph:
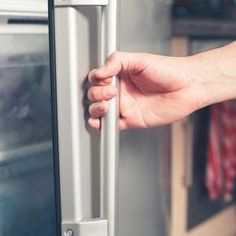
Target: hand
x=154 y=90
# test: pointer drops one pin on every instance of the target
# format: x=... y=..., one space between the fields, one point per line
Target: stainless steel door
x=144 y=179
x=77 y=42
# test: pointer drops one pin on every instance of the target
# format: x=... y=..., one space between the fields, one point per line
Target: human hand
x=154 y=90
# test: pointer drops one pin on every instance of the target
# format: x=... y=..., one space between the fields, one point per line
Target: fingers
x=116 y=63
x=99 y=93
x=101 y=79
x=98 y=109
x=99 y=82
x=110 y=69
x=96 y=123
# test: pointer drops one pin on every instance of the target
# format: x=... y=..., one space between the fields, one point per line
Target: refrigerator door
x=76 y=29
x=27 y=197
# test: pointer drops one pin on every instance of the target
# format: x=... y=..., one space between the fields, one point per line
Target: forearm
x=216 y=74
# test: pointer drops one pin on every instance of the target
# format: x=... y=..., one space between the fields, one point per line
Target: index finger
x=110 y=69
x=116 y=63
x=99 y=82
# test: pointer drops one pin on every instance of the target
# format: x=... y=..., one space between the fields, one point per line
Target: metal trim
x=81 y=2
x=24 y=8
x=23 y=29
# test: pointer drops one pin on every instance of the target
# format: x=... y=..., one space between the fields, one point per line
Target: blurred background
x=165 y=186
x=198 y=26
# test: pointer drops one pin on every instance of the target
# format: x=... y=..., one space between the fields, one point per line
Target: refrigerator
x=54 y=179
x=27 y=198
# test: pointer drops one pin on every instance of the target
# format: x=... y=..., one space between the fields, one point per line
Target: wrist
x=215 y=75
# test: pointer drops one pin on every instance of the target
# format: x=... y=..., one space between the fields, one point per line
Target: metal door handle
x=106 y=224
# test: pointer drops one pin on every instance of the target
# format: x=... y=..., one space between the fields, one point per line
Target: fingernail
x=90 y=75
x=90 y=122
x=94 y=123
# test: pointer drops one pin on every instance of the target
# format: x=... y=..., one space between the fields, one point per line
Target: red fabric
x=221 y=166
x=213 y=170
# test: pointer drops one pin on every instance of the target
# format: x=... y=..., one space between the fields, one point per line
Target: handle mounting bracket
x=97 y=227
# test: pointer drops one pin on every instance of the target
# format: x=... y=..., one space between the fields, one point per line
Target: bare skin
x=157 y=90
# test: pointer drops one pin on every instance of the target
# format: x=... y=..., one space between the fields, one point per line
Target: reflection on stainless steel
x=141 y=161
x=24 y=102
x=23 y=152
